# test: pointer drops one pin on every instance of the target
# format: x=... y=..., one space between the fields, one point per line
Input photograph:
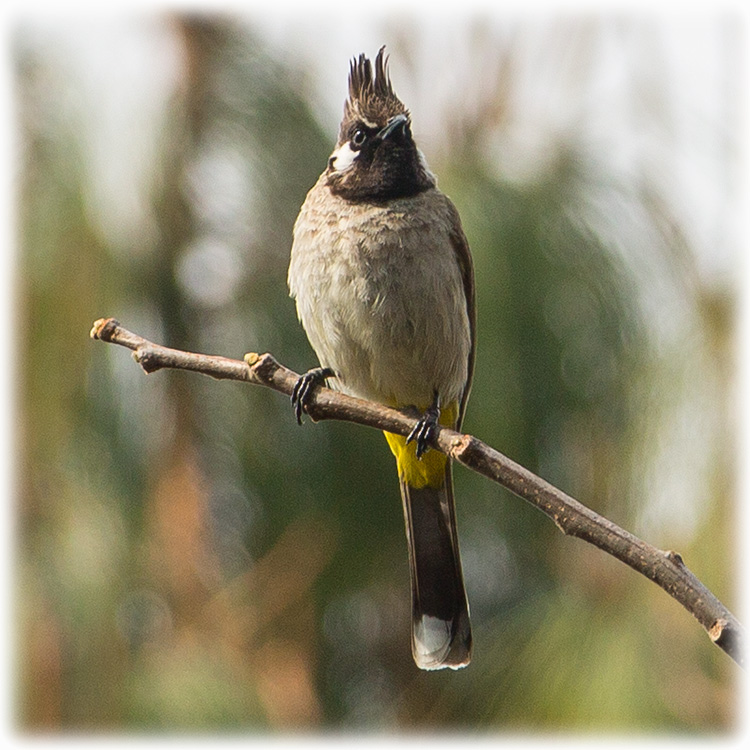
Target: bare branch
x=666 y=569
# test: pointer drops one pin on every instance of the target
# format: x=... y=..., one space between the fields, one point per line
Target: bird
x=383 y=281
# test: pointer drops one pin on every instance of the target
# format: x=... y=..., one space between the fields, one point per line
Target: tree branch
x=666 y=569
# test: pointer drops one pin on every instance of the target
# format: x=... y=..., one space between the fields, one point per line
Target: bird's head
x=375 y=157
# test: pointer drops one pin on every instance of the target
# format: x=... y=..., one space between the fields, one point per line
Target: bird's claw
x=424 y=430
x=304 y=388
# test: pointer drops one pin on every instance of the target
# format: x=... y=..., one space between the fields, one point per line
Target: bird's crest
x=371 y=96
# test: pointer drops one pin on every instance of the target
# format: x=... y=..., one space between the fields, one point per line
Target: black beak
x=393 y=125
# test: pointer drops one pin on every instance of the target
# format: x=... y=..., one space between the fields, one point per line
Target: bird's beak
x=393 y=125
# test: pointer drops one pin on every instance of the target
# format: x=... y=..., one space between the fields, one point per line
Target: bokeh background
x=187 y=557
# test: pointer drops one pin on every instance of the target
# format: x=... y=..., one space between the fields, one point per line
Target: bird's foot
x=424 y=429
x=305 y=386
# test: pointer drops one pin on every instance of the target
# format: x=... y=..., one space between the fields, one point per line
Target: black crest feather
x=371 y=95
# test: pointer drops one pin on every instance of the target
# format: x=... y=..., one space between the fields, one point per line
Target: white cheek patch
x=343 y=158
x=423 y=164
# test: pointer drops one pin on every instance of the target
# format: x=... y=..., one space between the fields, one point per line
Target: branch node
x=675 y=557
x=460 y=446
x=263 y=365
x=562 y=525
x=104 y=329
x=148 y=359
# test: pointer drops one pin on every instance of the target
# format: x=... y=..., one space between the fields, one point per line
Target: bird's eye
x=359 y=138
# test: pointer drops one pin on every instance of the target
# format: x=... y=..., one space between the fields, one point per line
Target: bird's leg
x=424 y=430
x=305 y=386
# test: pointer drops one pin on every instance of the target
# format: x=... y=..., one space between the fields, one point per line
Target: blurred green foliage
x=188 y=558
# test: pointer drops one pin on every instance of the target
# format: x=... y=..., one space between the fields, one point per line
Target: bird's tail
x=441 y=631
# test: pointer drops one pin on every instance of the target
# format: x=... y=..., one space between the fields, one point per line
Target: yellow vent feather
x=429 y=471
